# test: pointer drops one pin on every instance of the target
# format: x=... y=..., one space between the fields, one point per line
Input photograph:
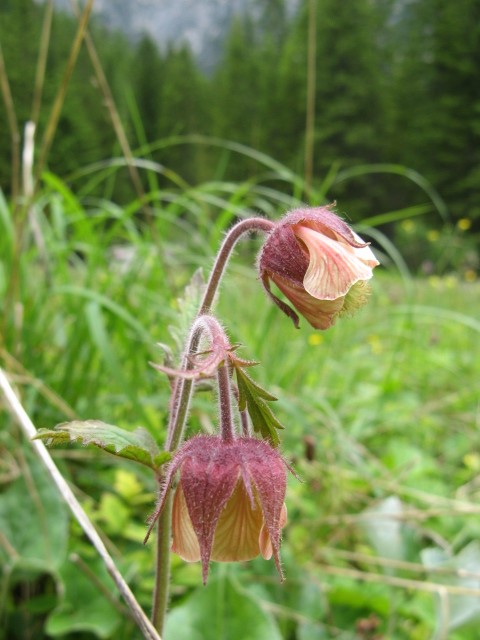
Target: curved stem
x=183 y=390
x=220 y=347
x=235 y=233
x=181 y=401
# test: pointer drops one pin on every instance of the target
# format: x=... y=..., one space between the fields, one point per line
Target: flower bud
x=229 y=502
x=319 y=264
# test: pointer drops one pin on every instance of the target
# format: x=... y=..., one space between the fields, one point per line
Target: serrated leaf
x=253 y=397
x=137 y=445
x=254 y=388
x=34 y=519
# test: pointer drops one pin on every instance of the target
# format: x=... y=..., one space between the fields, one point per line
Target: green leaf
x=33 y=518
x=221 y=610
x=253 y=398
x=462 y=609
x=382 y=525
x=137 y=445
x=84 y=608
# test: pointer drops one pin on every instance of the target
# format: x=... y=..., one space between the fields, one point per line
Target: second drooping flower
x=229 y=502
x=319 y=264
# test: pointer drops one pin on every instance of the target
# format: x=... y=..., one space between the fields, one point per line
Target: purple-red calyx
x=319 y=264
x=229 y=504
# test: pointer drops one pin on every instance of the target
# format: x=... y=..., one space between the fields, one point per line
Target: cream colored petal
x=237 y=533
x=185 y=542
x=264 y=539
x=334 y=266
x=365 y=253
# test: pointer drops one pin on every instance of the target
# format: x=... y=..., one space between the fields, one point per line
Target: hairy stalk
x=203 y=322
x=181 y=401
x=183 y=390
x=231 y=239
x=225 y=403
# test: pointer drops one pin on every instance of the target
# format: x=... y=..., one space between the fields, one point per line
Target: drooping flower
x=319 y=264
x=229 y=501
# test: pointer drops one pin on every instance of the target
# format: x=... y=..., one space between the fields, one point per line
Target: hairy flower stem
x=232 y=237
x=179 y=408
x=225 y=403
x=183 y=390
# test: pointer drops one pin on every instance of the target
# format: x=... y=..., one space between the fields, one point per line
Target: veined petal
x=321 y=314
x=334 y=266
x=185 y=543
x=238 y=528
x=264 y=540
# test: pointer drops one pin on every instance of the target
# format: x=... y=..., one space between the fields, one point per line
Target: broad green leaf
x=253 y=398
x=33 y=518
x=84 y=608
x=221 y=610
x=137 y=445
x=382 y=525
x=462 y=609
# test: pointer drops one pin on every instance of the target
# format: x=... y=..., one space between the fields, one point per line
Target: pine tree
x=438 y=99
x=148 y=78
x=182 y=109
x=234 y=95
x=350 y=115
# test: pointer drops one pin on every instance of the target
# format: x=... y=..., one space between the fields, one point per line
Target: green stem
x=162 y=568
x=180 y=404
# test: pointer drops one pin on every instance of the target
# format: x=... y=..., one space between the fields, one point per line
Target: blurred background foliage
x=396 y=83
x=381 y=412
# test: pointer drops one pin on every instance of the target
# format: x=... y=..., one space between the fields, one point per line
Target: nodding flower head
x=319 y=264
x=229 y=501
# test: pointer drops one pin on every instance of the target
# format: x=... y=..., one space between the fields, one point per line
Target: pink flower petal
x=334 y=266
x=321 y=314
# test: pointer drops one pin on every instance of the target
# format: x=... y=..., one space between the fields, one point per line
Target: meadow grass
x=381 y=412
